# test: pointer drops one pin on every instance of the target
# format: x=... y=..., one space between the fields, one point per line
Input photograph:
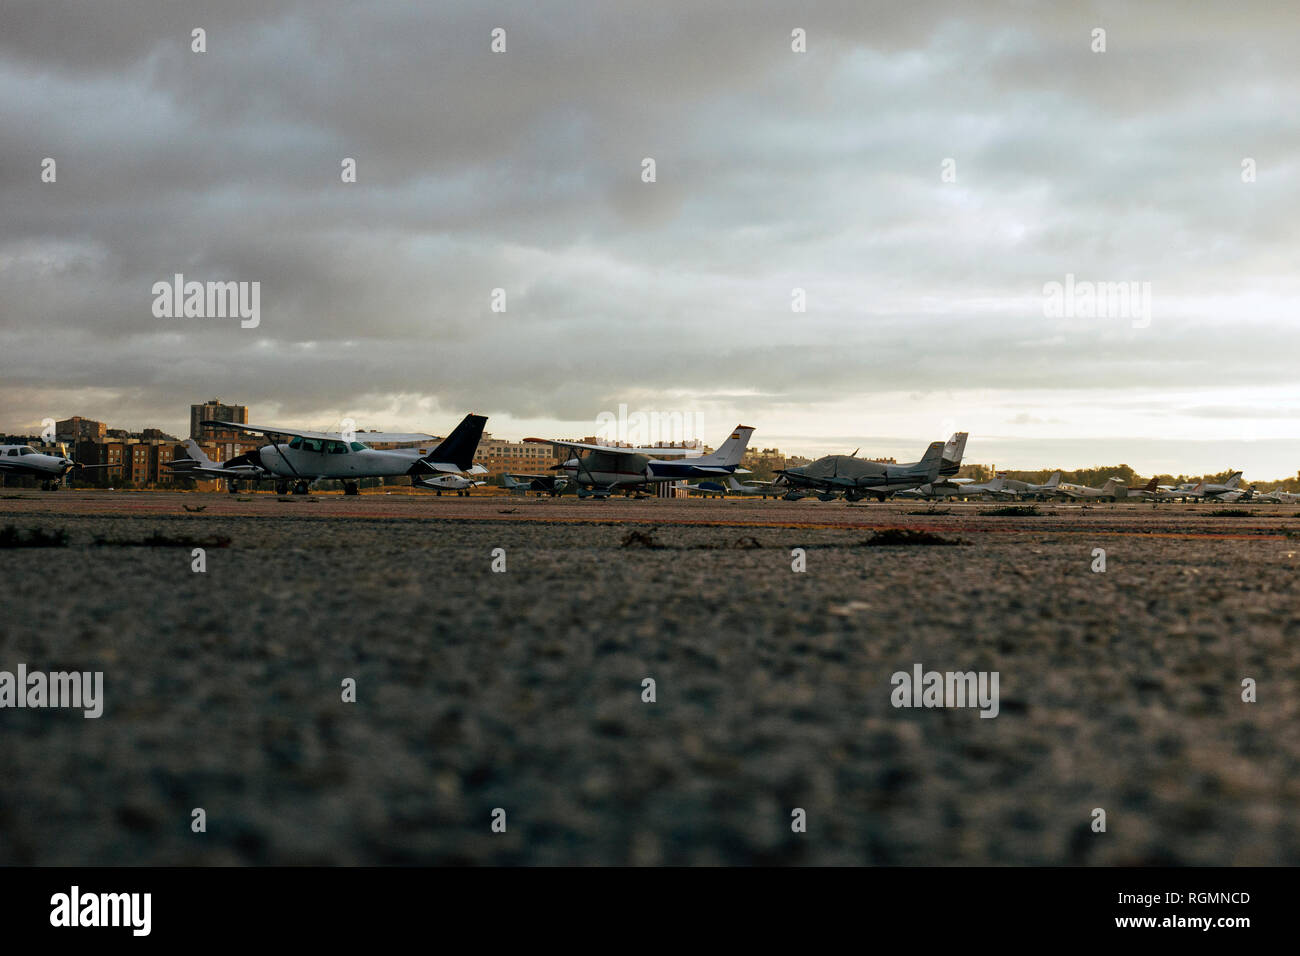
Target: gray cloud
x=521 y=171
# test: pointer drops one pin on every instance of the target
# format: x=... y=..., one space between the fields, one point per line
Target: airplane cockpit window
x=336 y=448
x=357 y=446
x=311 y=444
x=297 y=442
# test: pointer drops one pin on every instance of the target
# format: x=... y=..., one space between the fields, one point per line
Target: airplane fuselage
x=605 y=470
x=316 y=459
x=24 y=460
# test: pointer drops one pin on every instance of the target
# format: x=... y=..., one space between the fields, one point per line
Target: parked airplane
x=762 y=489
x=1027 y=489
x=707 y=489
x=312 y=456
x=835 y=475
x=1148 y=492
x=599 y=470
x=552 y=485
x=960 y=488
x=457 y=483
x=1278 y=497
x=1205 y=491
x=200 y=467
x=751 y=489
x=26 y=462
x=1113 y=489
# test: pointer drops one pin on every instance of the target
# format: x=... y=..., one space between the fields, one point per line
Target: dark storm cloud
x=522 y=171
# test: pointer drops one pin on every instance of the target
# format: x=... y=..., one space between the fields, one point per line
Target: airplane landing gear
x=301 y=488
x=352 y=487
x=282 y=487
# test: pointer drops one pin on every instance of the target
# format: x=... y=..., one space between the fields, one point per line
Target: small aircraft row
x=294 y=460
x=1115 y=489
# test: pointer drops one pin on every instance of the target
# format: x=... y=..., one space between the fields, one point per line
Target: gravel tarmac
x=476 y=690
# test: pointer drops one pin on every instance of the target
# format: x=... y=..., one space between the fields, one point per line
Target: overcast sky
x=775 y=170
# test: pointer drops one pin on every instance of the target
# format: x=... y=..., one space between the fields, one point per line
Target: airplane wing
x=236 y=471
x=362 y=437
x=16 y=467
x=615 y=450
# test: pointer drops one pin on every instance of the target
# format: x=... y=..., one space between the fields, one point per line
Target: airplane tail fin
x=1233 y=481
x=1055 y=480
x=933 y=461
x=733 y=484
x=730 y=451
x=194 y=451
x=953 y=450
x=1110 y=486
x=459 y=447
x=1151 y=485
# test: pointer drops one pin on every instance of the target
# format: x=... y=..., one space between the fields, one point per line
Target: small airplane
x=1205 y=491
x=751 y=489
x=1148 y=492
x=961 y=488
x=834 y=475
x=200 y=467
x=25 y=461
x=762 y=489
x=1027 y=489
x=552 y=485
x=312 y=456
x=457 y=483
x=599 y=470
x=1278 y=497
x=1114 y=489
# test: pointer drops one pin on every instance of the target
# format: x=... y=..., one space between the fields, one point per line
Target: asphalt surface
x=522 y=690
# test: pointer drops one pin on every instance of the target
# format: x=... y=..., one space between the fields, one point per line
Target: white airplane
x=600 y=470
x=312 y=456
x=25 y=461
x=457 y=483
